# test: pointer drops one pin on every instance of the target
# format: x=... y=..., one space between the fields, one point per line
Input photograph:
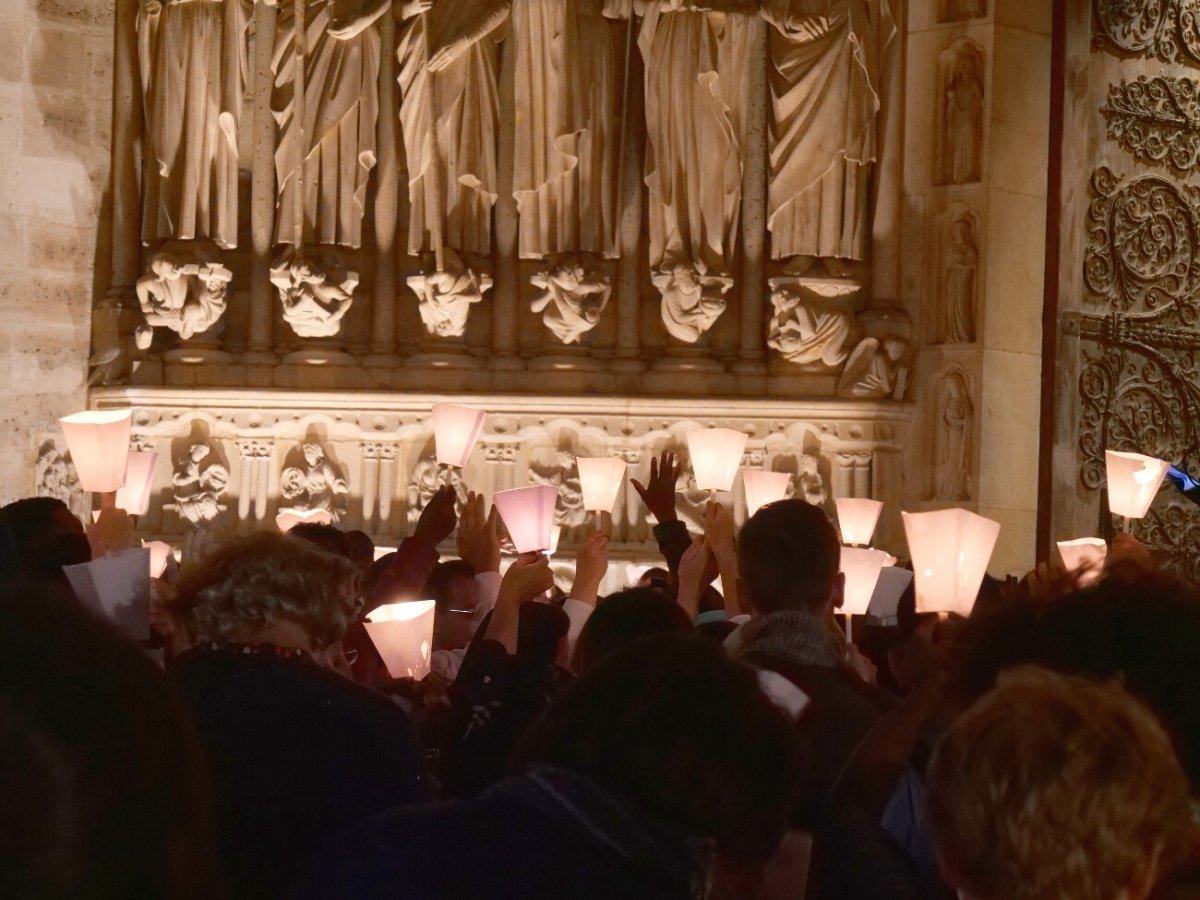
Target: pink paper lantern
x=600 y=482
x=289 y=519
x=134 y=497
x=861 y=566
x=403 y=635
x=764 y=487
x=1133 y=482
x=857 y=518
x=950 y=550
x=1084 y=556
x=528 y=514
x=455 y=429
x=99 y=444
x=160 y=552
x=716 y=455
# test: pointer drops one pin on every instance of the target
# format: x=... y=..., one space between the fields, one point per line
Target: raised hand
x=591 y=565
x=414 y=8
x=718 y=528
x=478 y=540
x=438 y=518
x=659 y=494
x=693 y=568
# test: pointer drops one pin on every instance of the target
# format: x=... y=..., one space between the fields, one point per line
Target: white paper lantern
x=116 y=587
x=134 y=496
x=403 y=635
x=716 y=454
x=950 y=550
x=160 y=552
x=99 y=445
x=1084 y=556
x=857 y=518
x=861 y=566
x=763 y=488
x=455 y=429
x=528 y=514
x=600 y=482
x=1133 y=482
x=290 y=518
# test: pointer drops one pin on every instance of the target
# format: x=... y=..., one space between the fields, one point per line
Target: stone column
x=259 y=347
x=126 y=127
x=752 y=355
x=629 y=234
x=505 y=235
x=254 y=477
x=388 y=456
x=843 y=475
x=387 y=180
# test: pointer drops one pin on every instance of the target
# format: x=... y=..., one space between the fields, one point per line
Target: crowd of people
x=665 y=741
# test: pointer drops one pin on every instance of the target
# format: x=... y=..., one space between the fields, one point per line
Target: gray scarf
x=790 y=636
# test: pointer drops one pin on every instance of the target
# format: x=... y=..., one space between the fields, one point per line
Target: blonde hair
x=250 y=583
x=1054 y=786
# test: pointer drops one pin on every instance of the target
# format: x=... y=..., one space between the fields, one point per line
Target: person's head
x=622 y=618
x=1054 y=786
x=452 y=587
x=788 y=558
x=542 y=635
x=683 y=734
x=45 y=536
x=656 y=577
x=327 y=537
x=102 y=786
x=362 y=549
x=267 y=587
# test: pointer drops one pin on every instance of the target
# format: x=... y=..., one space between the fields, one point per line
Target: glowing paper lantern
x=528 y=514
x=857 y=519
x=403 y=635
x=160 y=551
x=716 y=454
x=555 y=537
x=99 y=445
x=455 y=429
x=1085 y=556
x=134 y=497
x=950 y=552
x=600 y=482
x=764 y=487
x=289 y=519
x=116 y=587
x=1133 y=482
x=861 y=566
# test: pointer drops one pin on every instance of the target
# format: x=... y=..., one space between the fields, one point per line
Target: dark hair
x=683 y=733
x=437 y=588
x=327 y=537
x=45 y=535
x=540 y=629
x=362 y=548
x=621 y=619
x=788 y=555
x=103 y=785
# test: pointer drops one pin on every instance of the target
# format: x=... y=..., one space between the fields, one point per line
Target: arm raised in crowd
x=659 y=496
x=409 y=567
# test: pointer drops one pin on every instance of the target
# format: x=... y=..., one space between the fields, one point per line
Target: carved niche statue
x=187 y=298
x=829 y=62
x=198 y=483
x=805 y=333
x=961 y=134
x=446 y=297
x=427 y=477
x=952 y=438
x=332 y=151
x=563 y=476
x=961 y=10
x=809 y=480
x=572 y=299
x=313 y=304
x=691 y=300
x=874 y=370
x=317 y=485
x=193 y=60
x=960 y=284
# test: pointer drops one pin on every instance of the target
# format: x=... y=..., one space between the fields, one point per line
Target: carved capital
x=255 y=447
x=379 y=450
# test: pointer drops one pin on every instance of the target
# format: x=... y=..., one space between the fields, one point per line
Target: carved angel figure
x=318 y=485
x=810 y=481
x=427 y=477
x=874 y=368
x=809 y=337
x=446 y=297
x=312 y=305
x=563 y=476
x=198 y=482
x=54 y=475
x=572 y=300
x=186 y=298
x=691 y=301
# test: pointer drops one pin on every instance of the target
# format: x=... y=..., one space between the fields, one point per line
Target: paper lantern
x=1133 y=482
x=99 y=444
x=950 y=552
x=893 y=582
x=857 y=518
x=160 y=552
x=716 y=454
x=861 y=566
x=455 y=429
x=134 y=497
x=764 y=487
x=600 y=482
x=528 y=514
x=289 y=519
x=1084 y=556
x=555 y=537
x=116 y=587
x=403 y=635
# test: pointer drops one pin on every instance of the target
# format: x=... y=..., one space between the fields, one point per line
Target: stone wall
x=55 y=120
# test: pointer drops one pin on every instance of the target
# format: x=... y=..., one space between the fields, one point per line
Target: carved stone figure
x=952 y=439
x=332 y=151
x=810 y=482
x=449 y=106
x=198 y=483
x=961 y=10
x=427 y=477
x=691 y=300
x=446 y=297
x=572 y=299
x=54 y=475
x=187 y=298
x=193 y=60
x=960 y=286
x=874 y=369
x=829 y=60
x=962 y=117
x=318 y=485
x=115 y=356
x=563 y=476
x=312 y=304
x=807 y=334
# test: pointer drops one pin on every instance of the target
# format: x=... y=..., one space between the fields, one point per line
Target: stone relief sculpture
x=54 y=476
x=1156 y=119
x=198 y=483
x=445 y=297
x=828 y=63
x=961 y=135
x=427 y=477
x=1162 y=29
x=116 y=356
x=563 y=476
x=314 y=304
x=572 y=299
x=691 y=300
x=192 y=57
x=806 y=333
x=960 y=284
x=318 y=484
x=953 y=426
x=323 y=162
x=961 y=10
x=874 y=370
x=810 y=483
x=187 y=298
